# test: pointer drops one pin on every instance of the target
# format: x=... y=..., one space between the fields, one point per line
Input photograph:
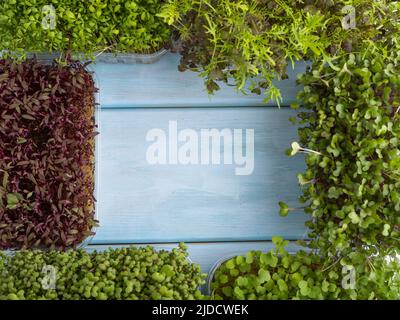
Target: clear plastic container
x=104 y=57
x=215 y=267
x=220 y=262
x=42 y=57
x=130 y=58
x=97 y=148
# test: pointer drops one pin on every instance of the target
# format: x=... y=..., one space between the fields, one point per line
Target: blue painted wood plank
x=207 y=254
x=143 y=203
x=162 y=85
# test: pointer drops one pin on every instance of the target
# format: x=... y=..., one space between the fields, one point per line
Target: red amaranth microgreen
x=47 y=131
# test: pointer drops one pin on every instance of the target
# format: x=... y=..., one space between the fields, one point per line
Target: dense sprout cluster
x=123 y=273
x=47 y=130
x=88 y=26
x=351 y=187
x=278 y=274
x=241 y=40
x=350 y=132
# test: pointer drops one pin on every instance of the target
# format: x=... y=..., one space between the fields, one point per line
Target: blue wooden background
x=209 y=207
